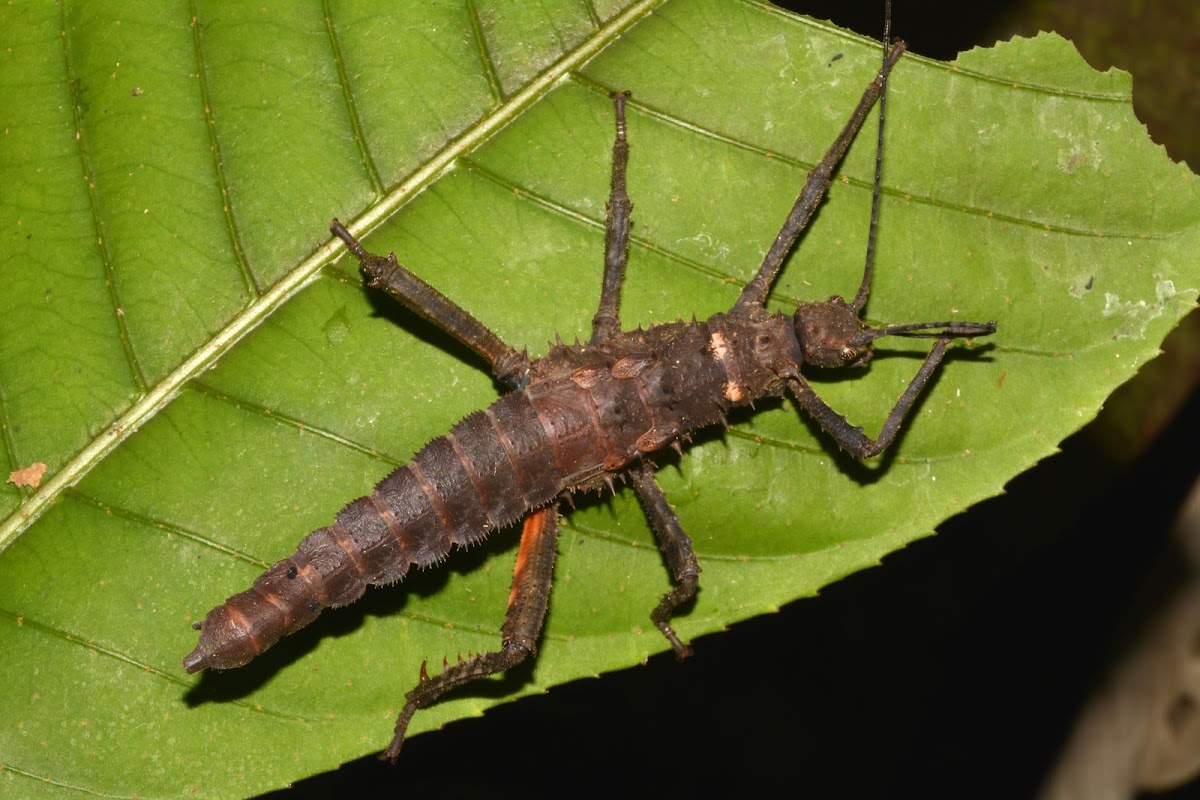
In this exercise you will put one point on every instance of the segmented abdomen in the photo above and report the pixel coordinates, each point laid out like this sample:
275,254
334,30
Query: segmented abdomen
585,418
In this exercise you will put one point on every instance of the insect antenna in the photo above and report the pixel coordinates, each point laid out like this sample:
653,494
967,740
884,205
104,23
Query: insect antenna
864,289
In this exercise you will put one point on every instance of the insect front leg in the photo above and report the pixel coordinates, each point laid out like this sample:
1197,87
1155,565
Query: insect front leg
607,322
677,549
508,364
851,438
523,621
815,186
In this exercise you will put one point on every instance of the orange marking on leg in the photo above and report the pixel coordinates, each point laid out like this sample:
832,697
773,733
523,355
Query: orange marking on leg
532,531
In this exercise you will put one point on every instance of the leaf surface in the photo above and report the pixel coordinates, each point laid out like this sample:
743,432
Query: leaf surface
207,384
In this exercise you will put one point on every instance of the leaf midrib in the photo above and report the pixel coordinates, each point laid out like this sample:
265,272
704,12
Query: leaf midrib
308,270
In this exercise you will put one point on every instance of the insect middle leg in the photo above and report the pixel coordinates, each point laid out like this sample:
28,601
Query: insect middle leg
676,547
527,603
509,365
674,543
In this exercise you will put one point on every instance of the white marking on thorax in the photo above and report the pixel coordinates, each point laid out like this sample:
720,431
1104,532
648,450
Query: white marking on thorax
717,344
720,350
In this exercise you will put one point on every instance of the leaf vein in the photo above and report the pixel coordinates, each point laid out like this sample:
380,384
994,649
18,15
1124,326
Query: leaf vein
862,184
249,406
162,525
546,204
46,780
485,56
27,623
339,62
253,290
89,179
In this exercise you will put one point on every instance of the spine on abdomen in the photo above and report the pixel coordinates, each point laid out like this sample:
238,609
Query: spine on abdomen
487,473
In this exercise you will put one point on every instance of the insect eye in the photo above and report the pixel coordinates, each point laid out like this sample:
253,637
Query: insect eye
849,353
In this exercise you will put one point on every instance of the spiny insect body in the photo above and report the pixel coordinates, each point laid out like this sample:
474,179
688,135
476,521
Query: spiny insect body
573,420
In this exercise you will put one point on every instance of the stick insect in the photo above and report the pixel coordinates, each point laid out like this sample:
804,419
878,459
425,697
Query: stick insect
573,421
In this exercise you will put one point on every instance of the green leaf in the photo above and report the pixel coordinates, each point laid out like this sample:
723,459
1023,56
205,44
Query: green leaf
206,386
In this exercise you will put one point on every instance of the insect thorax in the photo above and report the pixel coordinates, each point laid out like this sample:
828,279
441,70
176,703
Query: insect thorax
604,406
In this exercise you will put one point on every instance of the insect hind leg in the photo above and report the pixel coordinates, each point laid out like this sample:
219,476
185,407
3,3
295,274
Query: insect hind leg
527,604
509,365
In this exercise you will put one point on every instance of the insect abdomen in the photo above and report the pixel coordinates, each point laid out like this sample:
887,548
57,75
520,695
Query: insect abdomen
486,473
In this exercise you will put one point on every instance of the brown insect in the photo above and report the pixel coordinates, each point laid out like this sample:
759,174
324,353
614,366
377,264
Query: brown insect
574,420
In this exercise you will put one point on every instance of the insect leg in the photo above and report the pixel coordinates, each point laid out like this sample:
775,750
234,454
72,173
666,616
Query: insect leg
677,549
508,364
607,322
518,636
851,438
755,292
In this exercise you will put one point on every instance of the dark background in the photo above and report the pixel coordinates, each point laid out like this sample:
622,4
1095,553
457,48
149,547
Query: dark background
956,668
